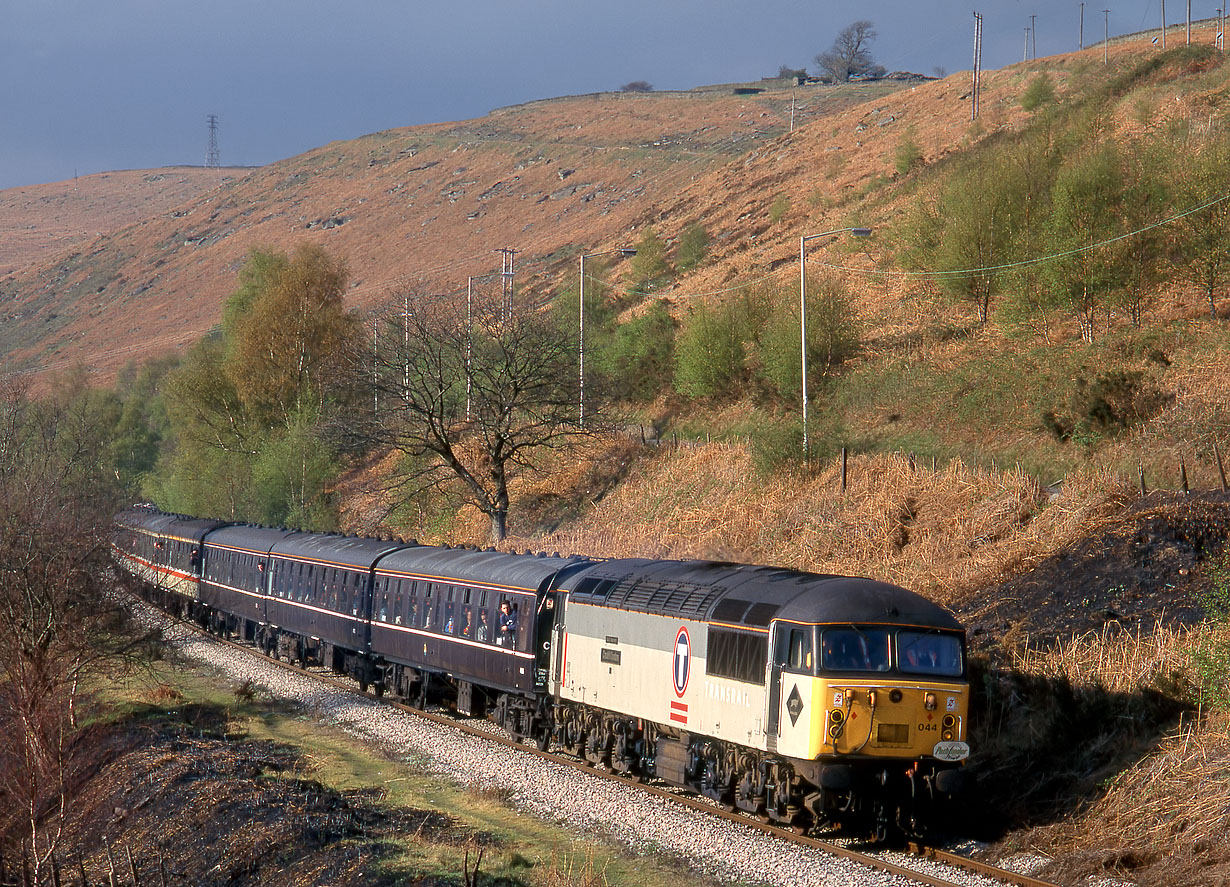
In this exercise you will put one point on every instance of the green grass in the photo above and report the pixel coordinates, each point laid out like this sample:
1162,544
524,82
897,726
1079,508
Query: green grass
519,849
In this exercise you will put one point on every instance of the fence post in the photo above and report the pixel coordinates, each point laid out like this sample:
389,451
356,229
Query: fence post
1221,469
1183,475
845,457
1143,490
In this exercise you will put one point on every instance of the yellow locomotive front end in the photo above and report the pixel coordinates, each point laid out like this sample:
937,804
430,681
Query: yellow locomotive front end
876,716
891,693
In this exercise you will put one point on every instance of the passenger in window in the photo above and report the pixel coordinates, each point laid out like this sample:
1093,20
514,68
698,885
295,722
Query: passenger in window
467,623
484,630
508,625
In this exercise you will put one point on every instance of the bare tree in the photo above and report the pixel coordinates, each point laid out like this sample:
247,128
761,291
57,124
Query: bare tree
850,55
56,626
468,399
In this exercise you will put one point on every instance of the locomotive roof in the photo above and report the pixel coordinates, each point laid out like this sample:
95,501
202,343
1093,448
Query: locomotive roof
347,551
750,596
470,565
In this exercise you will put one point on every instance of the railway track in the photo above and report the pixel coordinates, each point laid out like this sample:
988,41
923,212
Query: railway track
488,731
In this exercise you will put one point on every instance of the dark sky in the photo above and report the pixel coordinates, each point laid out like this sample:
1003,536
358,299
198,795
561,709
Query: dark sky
93,85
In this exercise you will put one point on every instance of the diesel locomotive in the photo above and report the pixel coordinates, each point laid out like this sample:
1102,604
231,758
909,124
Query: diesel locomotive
805,699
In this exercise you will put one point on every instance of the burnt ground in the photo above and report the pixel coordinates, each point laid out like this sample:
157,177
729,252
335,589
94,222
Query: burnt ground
1145,566
178,796
1050,753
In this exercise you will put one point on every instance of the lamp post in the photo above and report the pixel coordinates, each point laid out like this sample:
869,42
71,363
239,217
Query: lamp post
623,251
857,232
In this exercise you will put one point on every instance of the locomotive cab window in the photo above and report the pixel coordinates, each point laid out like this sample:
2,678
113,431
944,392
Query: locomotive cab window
794,647
854,649
929,653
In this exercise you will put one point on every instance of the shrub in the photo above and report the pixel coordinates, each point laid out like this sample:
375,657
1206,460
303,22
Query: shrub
709,356
1111,403
908,154
832,338
779,208
638,359
1210,661
649,265
693,247
1039,92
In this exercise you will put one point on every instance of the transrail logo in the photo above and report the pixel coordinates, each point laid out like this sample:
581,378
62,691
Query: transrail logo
682,665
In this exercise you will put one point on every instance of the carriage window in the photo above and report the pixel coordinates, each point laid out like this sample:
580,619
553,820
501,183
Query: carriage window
854,649
482,631
450,625
929,653
524,616
467,621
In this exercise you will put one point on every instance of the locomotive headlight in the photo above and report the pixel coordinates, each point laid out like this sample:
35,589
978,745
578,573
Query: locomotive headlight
929,702
949,721
837,716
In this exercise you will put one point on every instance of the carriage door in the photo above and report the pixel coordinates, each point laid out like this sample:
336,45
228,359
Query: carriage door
545,638
790,684
778,636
